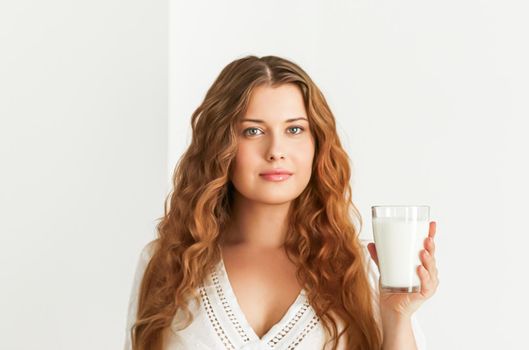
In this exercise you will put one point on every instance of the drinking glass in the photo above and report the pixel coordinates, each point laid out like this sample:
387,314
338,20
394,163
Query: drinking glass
399,232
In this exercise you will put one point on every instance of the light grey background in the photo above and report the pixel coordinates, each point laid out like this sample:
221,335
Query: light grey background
95,106
83,149
429,98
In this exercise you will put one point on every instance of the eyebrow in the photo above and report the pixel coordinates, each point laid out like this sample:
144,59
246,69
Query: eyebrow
262,121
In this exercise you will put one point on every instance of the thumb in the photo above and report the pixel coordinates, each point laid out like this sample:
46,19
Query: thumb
373,252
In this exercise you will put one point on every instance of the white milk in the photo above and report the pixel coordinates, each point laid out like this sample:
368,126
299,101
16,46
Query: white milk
398,244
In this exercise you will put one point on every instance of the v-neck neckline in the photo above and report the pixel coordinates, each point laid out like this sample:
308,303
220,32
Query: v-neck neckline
293,312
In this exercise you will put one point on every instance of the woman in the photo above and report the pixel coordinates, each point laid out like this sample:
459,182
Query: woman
257,248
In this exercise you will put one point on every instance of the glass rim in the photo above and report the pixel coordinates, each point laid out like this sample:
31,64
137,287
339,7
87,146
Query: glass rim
400,206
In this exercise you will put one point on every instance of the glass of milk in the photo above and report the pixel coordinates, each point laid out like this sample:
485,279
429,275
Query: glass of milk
399,232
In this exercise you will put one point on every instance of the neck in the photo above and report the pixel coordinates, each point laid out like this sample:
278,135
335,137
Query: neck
257,224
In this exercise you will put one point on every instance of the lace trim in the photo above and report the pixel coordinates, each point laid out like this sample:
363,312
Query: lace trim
289,326
233,319
214,320
306,330
227,308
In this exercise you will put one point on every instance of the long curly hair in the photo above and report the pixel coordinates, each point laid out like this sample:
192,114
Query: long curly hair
321,237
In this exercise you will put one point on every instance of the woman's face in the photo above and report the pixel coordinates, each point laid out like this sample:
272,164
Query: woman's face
273,138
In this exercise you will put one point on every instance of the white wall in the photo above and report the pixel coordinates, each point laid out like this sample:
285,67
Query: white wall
83,164
429,98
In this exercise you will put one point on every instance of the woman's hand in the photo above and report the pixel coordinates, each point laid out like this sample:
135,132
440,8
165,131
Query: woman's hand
403,305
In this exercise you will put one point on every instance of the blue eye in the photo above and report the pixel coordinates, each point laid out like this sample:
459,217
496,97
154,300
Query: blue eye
249,129
293,127
297,127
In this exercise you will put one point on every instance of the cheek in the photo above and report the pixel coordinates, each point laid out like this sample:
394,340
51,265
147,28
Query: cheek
306,156
244,159
244,155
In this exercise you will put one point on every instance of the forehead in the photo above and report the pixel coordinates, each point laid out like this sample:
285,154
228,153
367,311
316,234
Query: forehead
282,103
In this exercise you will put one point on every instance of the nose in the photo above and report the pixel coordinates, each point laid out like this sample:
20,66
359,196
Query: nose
275,156
276,148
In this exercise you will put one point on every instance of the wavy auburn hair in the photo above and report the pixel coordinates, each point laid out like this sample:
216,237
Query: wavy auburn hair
321,239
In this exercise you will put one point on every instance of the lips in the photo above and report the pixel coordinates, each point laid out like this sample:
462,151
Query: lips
276,172
276,177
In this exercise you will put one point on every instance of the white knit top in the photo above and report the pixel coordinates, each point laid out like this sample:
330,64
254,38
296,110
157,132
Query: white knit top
219,322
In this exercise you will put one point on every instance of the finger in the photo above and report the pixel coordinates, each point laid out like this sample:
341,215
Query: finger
429,241
429,262
373,252
429,244
427,286
432,229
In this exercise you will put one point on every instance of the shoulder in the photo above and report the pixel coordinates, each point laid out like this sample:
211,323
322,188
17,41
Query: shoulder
146,253
148,250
